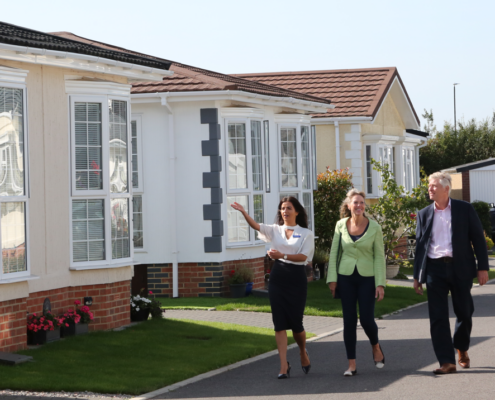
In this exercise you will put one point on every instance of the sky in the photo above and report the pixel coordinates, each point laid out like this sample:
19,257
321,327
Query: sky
433,43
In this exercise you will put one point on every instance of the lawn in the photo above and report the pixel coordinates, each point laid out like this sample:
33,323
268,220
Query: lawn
137,360
409,271
319,302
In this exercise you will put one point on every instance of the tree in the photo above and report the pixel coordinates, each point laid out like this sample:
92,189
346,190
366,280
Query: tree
396,209
430,126
471,142
332,189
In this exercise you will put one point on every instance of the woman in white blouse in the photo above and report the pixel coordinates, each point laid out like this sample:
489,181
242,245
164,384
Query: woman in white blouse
292,245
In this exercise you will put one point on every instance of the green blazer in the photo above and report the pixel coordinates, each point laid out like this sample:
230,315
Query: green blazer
367,253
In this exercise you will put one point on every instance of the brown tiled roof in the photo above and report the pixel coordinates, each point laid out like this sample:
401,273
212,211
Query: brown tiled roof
187,78
354,92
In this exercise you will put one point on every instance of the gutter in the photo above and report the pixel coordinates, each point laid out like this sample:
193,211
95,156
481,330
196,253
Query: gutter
418,177
230,94
32,51
342,120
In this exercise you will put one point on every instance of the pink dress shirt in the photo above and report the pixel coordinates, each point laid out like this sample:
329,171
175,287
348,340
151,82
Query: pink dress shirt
441,233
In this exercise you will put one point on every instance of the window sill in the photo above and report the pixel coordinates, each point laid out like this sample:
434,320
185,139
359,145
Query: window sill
140,251
103,266
19,279
236,246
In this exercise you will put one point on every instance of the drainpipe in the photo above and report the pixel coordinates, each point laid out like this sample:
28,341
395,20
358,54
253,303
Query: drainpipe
337,145
172,197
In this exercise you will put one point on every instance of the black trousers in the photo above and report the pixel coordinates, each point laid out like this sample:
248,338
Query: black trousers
356,289
440,279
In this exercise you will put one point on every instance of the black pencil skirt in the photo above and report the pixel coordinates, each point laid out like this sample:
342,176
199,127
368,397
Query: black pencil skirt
287,289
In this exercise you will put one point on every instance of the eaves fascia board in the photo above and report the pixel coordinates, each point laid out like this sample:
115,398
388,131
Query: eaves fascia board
371,138
237,95
341,120
476,166
83,62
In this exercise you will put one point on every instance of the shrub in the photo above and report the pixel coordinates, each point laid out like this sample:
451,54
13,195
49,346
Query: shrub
243,274
332,188
320,257
489,242
483,211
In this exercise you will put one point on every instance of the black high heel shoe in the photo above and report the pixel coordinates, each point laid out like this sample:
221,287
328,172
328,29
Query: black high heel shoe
307,367
287,374
379,364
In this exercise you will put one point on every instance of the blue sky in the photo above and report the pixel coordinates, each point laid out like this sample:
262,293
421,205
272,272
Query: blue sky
433,43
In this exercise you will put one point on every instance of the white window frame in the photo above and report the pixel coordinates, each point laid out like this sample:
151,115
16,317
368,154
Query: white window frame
299,188
23,275
249,190
409,165
102,194
139,191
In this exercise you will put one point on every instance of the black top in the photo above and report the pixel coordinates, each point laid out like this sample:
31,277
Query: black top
355,238
19,36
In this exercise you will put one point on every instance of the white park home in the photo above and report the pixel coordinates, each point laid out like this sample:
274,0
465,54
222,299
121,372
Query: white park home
64,153
202,140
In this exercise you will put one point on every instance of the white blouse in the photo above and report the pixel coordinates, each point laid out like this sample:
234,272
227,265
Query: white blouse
301,242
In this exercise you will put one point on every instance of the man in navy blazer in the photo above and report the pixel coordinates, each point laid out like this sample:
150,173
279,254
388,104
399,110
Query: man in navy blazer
448,235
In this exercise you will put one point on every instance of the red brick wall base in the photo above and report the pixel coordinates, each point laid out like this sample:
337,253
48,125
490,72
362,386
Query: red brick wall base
201,279
111,309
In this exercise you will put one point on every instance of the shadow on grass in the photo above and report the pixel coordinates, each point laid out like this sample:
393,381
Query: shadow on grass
140,359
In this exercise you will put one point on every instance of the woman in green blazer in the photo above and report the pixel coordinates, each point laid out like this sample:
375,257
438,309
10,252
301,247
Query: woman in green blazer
356,273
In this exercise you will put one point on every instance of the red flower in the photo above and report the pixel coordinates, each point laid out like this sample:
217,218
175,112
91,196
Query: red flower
413,216
150,292
77,302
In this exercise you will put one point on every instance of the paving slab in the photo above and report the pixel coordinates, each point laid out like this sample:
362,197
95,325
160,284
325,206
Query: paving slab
405,339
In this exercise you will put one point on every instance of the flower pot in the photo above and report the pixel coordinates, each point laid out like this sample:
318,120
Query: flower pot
249,288
82,328
52,336
141,315
66,331
238,290
36,338
392,271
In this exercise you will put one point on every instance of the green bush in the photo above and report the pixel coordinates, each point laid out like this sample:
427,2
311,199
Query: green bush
321,256
332,188
483,211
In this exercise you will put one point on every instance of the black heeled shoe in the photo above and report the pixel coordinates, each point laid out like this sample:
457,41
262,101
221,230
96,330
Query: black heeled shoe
287,374
307,367
379,364
350,373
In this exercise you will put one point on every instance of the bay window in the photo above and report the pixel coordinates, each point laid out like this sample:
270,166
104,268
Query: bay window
13,180
137,184
297,164
247,172
100,172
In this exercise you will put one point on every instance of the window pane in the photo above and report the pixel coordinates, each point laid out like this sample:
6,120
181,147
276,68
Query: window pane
256,155
282,195
237,156
12,142
120,228
288,157
137,220
135,178
258,210
266,133
118,146
237,226
313,165
308,206
13,224
369,181
306,174
88,146
88,230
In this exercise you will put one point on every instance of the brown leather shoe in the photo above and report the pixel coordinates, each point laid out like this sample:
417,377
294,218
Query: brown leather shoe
464,360
446,368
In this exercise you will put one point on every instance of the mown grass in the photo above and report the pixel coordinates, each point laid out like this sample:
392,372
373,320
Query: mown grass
137,360
319,302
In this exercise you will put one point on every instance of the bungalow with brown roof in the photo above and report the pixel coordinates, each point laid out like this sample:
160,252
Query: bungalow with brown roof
202,141
373,118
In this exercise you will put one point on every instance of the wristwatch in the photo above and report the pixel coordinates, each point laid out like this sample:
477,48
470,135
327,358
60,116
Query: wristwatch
285,256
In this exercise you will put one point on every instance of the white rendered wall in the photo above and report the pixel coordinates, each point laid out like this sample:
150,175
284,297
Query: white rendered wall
482,184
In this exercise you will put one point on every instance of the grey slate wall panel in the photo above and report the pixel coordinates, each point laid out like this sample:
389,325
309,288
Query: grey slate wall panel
217,228
210,147
209,115
215,132
211,179
216,163
212,212
216,196
213,244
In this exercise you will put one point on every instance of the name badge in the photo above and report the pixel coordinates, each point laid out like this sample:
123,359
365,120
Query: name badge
295,235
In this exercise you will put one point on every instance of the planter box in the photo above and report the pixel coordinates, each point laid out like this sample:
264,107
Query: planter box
249,288
74,329
141,315
52,336
42,337
238,291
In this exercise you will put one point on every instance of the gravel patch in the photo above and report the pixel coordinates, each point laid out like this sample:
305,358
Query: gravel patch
74,395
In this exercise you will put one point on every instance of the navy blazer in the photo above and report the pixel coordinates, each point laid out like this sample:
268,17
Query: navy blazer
467,234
